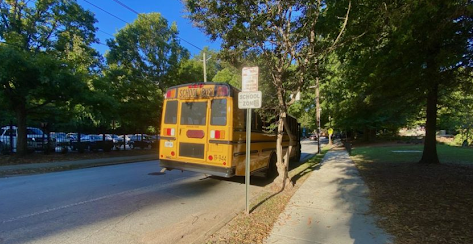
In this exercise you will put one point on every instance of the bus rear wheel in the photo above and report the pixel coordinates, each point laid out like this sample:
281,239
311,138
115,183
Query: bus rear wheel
272,171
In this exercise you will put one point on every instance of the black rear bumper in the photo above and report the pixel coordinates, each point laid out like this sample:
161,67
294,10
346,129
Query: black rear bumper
206,169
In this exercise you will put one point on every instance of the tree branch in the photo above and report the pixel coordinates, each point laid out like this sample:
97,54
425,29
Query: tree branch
342,29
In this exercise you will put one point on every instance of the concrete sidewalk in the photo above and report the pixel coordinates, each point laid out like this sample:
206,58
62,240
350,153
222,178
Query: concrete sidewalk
78,163
331,207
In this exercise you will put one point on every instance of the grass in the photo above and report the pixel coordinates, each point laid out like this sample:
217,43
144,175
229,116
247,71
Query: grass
256,227
412,153
419,203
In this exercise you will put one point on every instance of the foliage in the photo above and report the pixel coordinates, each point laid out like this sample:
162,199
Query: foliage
144,60
401,64
279,33
191,70
45,55
456,112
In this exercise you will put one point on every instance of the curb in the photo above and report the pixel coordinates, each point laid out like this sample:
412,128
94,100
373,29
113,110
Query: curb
29,169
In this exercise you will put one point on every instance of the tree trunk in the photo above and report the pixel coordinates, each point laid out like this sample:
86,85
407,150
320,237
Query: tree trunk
21,143
429,156
317,110
282,181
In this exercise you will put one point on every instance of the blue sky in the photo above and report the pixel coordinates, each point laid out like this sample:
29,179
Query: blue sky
172,10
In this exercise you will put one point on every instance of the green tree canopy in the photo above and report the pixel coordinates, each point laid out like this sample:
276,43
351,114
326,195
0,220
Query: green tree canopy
144,60
45,55
409,55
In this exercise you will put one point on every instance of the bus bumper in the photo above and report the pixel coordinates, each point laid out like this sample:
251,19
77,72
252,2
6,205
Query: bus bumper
206,169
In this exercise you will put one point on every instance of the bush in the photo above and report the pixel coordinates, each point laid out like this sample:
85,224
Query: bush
459,139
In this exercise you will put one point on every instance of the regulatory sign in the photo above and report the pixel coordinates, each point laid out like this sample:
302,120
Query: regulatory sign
249,80
249,100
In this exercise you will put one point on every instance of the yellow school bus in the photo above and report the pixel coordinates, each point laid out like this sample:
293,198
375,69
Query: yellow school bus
203,130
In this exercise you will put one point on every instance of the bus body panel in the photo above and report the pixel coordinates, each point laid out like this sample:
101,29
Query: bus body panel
206,133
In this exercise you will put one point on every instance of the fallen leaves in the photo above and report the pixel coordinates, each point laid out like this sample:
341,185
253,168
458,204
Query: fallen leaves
422,203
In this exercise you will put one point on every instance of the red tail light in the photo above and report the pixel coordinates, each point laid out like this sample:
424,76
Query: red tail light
217,134
195,134
169,131
171,94
196,86
222,91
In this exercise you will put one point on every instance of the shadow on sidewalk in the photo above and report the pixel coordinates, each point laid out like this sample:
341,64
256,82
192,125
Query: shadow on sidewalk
294,180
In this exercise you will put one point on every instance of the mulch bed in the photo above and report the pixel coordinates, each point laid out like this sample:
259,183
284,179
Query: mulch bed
422,203
39,157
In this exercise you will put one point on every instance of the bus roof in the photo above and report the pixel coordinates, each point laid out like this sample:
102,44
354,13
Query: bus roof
203,83
201,90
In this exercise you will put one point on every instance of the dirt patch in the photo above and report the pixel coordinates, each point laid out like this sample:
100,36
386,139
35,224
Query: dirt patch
254,228
421,203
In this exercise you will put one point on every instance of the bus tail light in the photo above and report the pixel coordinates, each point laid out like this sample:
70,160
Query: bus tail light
222,91
195,86
171,94
217,134
169,131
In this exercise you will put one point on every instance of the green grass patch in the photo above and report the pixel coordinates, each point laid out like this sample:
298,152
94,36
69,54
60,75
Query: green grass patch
411,154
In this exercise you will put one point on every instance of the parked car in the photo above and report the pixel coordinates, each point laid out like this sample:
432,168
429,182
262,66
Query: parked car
60,138
143,141
93,143
35,138
312,137
118,140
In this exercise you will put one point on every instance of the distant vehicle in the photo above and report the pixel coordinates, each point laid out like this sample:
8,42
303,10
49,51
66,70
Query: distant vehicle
142,141
60,138
35,138
312,137
93,143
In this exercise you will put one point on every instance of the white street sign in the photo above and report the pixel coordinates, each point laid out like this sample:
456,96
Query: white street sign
249,100
249,80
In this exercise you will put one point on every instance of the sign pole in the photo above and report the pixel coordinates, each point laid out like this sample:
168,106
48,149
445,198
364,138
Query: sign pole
247,166
248,99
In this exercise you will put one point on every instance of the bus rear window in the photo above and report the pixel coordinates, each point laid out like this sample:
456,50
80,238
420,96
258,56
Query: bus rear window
193,113
170,116
219,112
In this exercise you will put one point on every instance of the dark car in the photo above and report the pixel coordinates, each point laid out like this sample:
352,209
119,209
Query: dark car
312,137
143,141
93,143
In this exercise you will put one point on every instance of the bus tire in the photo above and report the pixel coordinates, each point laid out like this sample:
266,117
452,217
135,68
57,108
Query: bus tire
297,156
272,171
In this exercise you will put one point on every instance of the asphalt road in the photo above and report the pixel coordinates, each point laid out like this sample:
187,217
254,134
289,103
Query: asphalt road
127,203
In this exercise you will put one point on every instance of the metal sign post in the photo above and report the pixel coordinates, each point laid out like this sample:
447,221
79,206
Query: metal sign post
248,99
247,166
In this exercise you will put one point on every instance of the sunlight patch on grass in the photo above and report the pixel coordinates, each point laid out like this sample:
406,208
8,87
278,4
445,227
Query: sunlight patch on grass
404,154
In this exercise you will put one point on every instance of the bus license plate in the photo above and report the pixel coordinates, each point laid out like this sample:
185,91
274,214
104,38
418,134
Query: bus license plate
168,144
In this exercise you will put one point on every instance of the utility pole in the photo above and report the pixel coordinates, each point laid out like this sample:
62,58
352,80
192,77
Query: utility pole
205,66
317,111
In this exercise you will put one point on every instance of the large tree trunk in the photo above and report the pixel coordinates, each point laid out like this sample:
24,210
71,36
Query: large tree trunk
429,156
21,143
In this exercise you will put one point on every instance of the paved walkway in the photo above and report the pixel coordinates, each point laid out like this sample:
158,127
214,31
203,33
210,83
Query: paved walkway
331,207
